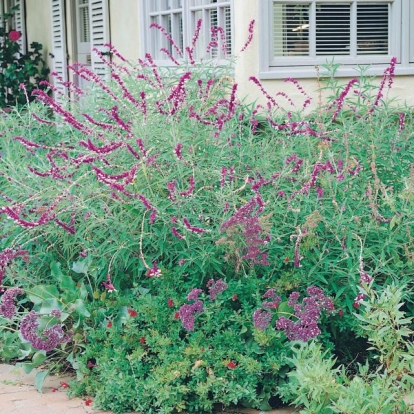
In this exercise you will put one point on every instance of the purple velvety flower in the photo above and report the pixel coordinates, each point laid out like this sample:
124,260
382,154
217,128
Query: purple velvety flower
193,295
8,307
48,339
187,313
216,287
261,319
307,314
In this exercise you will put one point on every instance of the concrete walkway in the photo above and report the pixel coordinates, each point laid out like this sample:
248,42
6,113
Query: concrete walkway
18,395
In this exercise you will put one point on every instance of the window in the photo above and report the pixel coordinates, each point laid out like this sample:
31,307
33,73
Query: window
352,32
18,20
179,18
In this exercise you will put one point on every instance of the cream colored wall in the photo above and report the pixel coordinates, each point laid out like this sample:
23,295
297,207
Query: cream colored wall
247,65
38,25
125,28
126,37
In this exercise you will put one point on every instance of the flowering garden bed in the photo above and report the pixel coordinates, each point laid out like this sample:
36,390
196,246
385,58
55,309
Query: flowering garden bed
179,248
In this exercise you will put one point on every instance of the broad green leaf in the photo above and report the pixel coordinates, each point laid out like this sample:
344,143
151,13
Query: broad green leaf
82,266
39,293
39,379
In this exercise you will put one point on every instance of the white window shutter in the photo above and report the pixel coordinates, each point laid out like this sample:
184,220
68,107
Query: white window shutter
99,15
19,24
59,60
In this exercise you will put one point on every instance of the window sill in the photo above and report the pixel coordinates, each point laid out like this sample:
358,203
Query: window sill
306,72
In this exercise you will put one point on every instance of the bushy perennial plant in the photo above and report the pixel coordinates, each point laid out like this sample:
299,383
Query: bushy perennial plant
158,182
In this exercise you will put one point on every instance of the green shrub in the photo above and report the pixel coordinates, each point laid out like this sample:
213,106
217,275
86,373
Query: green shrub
157,182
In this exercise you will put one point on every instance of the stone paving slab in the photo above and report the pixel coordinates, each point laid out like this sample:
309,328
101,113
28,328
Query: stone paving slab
18,395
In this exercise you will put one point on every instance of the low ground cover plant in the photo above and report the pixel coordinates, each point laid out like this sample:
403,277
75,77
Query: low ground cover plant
172,243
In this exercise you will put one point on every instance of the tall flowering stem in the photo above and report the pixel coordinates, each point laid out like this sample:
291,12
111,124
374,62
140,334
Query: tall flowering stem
250,36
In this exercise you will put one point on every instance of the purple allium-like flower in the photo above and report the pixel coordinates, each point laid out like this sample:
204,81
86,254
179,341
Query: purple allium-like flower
7,307
293,299
57,313
193,295
307,314
261,319
186,314
274,303
48,339
270,294
216,287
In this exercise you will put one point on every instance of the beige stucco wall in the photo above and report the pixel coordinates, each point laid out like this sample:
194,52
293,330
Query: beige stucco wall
125,29
125,34
248,65
38,25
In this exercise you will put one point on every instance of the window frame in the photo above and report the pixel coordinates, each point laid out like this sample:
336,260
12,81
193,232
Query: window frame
402,46
189,26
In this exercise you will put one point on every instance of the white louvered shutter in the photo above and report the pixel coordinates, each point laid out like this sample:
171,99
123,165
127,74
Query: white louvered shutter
99,17
59,61
19,24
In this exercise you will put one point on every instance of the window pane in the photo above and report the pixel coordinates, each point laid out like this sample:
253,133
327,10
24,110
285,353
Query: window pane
372,29
333,29
290,29
85,32
227,29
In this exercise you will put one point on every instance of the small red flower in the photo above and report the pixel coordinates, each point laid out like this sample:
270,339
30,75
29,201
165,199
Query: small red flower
55,390
231,365
176,315
356,305
142,340
286,260
88,402
109,324
234,297
132,313
341,312
64,385
14,35
170,303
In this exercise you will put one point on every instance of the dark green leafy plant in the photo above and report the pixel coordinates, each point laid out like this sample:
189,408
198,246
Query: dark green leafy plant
17,68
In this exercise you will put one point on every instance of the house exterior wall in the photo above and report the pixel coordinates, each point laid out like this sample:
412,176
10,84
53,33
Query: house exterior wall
126,35
125,28
247,65
39,27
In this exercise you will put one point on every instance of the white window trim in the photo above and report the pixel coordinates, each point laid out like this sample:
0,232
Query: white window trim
402,47
189,27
